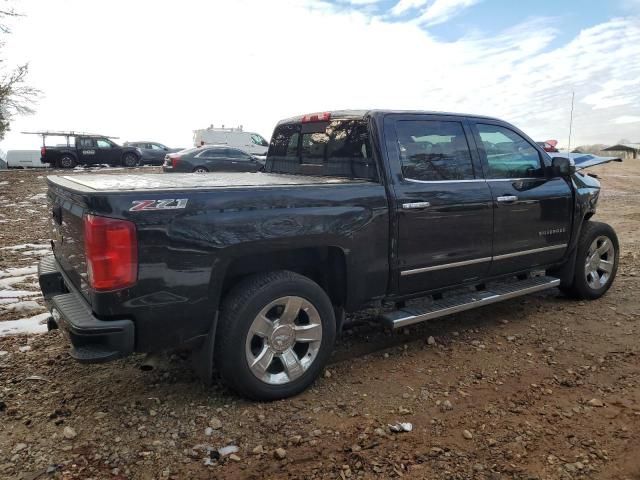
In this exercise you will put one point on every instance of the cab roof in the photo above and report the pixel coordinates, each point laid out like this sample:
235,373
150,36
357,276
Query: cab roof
361,114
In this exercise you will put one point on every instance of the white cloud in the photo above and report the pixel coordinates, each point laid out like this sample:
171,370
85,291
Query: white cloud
361,2
158,70
441,11
438,11
624,119
405,5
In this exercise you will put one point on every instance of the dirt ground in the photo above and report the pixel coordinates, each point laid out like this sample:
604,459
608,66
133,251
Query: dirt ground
541,387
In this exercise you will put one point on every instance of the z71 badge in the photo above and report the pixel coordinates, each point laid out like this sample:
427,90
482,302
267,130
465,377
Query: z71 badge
166,204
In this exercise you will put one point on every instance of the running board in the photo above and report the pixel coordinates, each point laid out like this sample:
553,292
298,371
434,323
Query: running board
467,301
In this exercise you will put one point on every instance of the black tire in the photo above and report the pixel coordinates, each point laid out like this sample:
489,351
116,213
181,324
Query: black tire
201,170
130,160
584,286
238,313
67,161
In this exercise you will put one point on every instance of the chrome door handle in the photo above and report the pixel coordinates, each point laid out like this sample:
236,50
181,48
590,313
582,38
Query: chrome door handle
507,198
415,205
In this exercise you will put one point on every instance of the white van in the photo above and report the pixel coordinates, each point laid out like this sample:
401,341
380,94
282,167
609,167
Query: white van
249,142
24,159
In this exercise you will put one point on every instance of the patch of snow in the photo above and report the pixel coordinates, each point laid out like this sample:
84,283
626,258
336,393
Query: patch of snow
38,196
26,306
38,252
29,325
17,293
18,271
22,246
4,183
9,282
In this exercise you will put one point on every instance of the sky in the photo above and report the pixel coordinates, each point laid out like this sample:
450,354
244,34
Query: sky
157,70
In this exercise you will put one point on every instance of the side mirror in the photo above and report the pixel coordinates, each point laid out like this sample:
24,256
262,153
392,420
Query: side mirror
166,149
563,167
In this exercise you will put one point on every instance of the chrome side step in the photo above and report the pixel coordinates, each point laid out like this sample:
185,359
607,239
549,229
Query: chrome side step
467,301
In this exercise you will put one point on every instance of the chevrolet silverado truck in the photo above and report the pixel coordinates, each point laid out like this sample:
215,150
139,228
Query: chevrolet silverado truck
254,272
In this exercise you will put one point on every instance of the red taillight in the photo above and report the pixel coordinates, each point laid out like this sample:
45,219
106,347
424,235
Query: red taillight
175,160
316,117
43,151
112,252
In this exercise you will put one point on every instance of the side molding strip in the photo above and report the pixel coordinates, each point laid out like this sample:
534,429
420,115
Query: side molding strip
481,260
445,266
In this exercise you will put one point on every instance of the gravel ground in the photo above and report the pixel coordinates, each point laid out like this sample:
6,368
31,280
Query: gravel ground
541,387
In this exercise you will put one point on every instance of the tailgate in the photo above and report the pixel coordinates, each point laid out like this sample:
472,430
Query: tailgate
67,233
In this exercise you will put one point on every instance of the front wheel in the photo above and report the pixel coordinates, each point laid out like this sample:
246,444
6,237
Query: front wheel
200,170
596,261
275,334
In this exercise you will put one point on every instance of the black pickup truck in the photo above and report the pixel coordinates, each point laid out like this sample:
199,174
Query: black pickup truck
254,271
81,149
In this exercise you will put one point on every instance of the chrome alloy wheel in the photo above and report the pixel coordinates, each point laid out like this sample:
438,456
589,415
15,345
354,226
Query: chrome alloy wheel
599,262
283,340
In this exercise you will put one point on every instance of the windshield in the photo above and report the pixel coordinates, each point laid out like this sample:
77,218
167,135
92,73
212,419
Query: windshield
259,140
335,148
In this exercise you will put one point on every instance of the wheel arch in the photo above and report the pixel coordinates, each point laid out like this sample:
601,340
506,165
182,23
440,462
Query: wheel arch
325,265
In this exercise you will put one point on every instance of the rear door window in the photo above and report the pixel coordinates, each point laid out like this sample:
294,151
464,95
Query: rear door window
432,150
237,154
86,143
212,153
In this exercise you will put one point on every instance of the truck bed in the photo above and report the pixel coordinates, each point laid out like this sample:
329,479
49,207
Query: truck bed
181,181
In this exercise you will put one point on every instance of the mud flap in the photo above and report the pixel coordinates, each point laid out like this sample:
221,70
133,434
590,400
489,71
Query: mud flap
202,358
566,272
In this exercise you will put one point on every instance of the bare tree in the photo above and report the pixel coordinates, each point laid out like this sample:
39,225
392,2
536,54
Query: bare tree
16,97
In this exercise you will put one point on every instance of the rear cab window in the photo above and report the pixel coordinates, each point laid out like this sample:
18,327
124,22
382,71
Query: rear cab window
433,150
339,147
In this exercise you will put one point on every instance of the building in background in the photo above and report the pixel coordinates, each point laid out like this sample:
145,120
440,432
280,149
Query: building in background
625,150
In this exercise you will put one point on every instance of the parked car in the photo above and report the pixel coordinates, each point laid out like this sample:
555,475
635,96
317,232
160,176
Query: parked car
212,158
152,153
85,149
355,209
249,142
549,146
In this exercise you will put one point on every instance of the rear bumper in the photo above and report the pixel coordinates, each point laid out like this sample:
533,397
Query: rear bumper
92,340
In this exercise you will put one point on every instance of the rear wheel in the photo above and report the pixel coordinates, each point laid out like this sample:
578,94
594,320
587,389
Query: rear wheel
67,161
596,261
200,170
129,160
275,334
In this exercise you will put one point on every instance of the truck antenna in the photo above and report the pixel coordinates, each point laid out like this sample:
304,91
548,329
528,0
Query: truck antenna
573,94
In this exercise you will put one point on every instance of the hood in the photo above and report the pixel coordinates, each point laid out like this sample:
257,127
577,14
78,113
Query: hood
584,160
